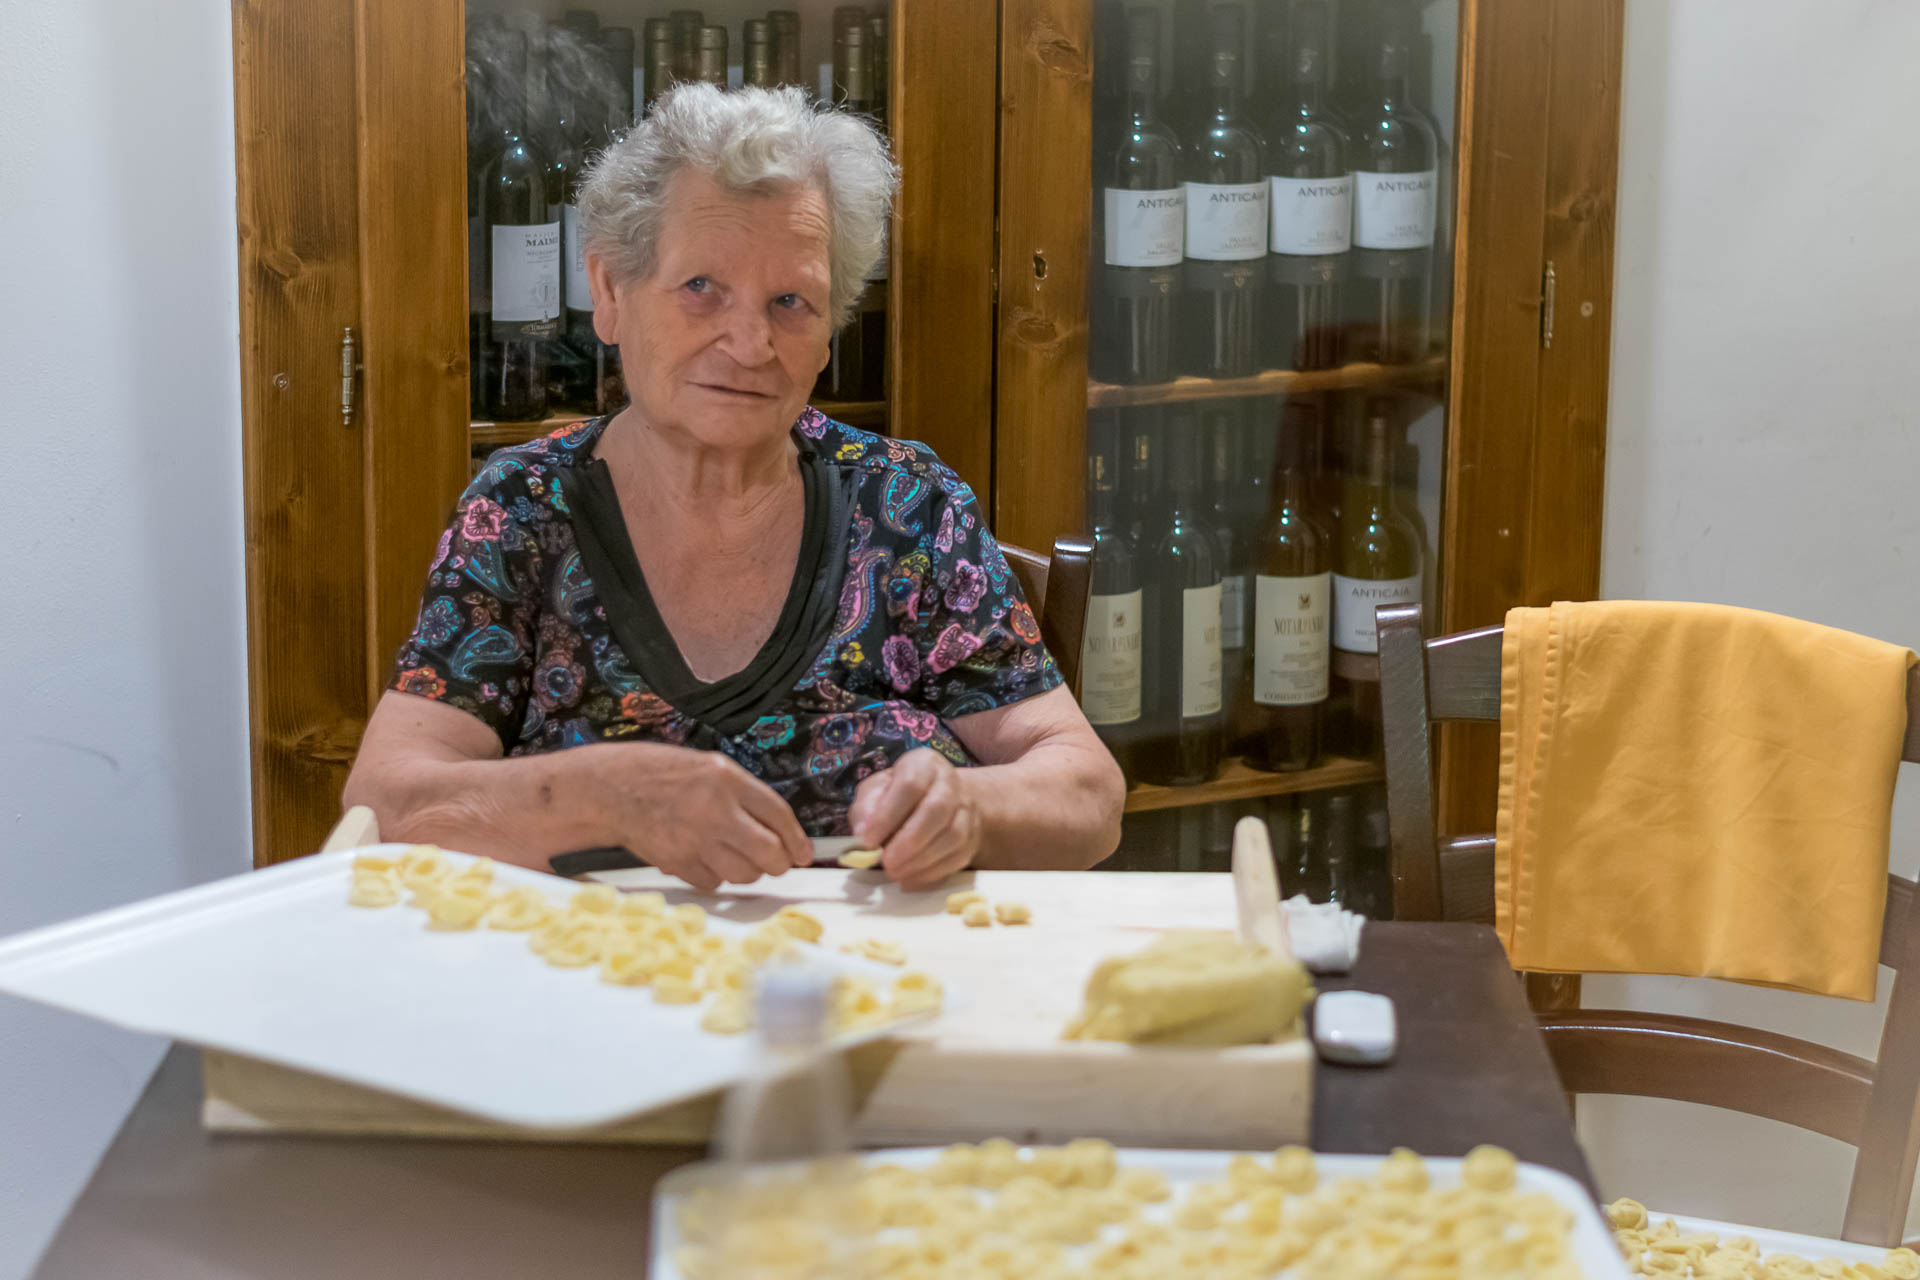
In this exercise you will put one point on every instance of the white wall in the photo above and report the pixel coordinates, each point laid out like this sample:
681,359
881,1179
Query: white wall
123,747
1762,448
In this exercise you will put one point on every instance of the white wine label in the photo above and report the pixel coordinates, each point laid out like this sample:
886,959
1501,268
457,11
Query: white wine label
1312,215
526,273
1290,651
1110,660
1200,651
1145,228
579,295
1355,599
1226,222
1233,612
1394,210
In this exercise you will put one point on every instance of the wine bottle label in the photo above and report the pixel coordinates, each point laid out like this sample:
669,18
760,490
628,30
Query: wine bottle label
1200,651
1110,660
1290,652
1226,222
1233,611
579,295
1145,228
1355,599
526,274
1393,210
1311,215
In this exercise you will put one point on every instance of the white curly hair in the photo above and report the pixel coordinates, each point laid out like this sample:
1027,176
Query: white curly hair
747,140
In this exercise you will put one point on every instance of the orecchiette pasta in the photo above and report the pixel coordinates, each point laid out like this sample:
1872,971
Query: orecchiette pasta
1662,1249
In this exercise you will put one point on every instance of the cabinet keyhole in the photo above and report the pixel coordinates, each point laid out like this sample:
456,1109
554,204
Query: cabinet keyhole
1039,266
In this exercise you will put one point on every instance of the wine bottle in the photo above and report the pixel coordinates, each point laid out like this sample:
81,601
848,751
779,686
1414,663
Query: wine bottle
658,55
1303,868
710,56
786,46
1186,725
1292,598
623,83
1184,98
757,70
684,26
877,38
1376,562
1338,845
1311,198
1373,858
847,376
1396,182
1141,491
570,81
523,243
1223,274
483,135
1142,228
1110,653
1222,423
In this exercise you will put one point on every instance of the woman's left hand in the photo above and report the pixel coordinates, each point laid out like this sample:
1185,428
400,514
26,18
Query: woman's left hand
922,816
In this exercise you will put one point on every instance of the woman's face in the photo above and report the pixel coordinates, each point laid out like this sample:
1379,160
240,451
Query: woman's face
724,340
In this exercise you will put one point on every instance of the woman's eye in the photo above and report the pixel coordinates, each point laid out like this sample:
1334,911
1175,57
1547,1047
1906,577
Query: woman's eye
791,301
699,284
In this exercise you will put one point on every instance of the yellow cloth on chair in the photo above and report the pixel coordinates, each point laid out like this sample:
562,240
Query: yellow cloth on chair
1697,790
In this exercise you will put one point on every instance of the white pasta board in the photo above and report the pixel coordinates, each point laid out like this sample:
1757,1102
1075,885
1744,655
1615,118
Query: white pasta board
275,965
1812,1248
1592,1239
995,1064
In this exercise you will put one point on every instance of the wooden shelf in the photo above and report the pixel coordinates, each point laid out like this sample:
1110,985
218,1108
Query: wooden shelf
1238,781
1429,372
498,435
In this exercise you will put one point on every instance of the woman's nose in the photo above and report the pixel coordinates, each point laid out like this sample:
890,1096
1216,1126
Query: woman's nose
749,336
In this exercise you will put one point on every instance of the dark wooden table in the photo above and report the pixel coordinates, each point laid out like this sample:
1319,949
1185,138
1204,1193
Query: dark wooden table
170,1200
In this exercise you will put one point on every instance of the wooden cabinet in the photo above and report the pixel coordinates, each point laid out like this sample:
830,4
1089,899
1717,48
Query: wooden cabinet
352,162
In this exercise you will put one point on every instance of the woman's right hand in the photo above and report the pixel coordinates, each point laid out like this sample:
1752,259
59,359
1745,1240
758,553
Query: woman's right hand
694,814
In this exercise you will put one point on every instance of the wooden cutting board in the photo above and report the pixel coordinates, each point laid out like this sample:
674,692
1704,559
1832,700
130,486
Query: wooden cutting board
994,1064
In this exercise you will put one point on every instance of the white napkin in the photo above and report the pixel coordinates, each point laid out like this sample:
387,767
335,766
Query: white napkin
1325,935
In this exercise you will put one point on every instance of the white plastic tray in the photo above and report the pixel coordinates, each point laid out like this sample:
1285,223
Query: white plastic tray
1593,1245
274,964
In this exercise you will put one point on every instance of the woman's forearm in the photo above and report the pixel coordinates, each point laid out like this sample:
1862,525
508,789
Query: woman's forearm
1056,808
522,809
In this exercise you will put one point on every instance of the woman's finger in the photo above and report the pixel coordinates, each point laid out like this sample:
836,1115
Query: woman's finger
944,857
731,866
928,826
912,774
753,841
866,796
771,814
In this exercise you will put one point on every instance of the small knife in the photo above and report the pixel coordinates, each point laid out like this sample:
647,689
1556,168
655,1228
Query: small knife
827,851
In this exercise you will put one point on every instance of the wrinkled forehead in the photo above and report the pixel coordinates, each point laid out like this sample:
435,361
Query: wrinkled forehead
779,215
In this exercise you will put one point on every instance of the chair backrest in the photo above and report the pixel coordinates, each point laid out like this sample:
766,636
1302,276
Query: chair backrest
1875,1106
1058,590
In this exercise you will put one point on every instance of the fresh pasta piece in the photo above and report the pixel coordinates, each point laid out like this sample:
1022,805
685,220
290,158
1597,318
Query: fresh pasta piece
1012,912
728,975
1294,1170
376,864
627,967
459,905
729,1015
595,900
691,919
373,891
1627,1214
1489,1168
647,904
1148,1186
859,859
669,988
519,909
1404,1170
798,923
769,942
479,871
957,903
578,945
977,915
422,865
881,950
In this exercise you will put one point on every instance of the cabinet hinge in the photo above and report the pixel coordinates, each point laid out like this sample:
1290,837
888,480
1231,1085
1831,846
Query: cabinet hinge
1546,306
349,367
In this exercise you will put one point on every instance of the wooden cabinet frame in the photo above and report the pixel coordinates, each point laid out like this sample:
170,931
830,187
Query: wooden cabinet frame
350,141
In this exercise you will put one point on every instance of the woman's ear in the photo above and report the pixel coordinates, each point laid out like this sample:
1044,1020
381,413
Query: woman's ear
606,301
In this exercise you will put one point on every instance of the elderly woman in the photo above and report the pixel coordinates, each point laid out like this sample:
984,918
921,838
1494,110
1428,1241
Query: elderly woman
717,622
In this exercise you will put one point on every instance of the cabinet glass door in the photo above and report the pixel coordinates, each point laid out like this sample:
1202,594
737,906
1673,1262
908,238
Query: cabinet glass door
547,86
1267,299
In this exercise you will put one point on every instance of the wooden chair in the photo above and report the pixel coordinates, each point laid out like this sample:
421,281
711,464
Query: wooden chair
1872,1106
1058,591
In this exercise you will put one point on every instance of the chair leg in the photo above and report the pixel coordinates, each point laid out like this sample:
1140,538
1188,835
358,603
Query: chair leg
1553,992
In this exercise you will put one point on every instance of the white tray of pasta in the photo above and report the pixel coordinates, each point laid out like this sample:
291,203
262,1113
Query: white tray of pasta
1087,1209
1677,1246
493,990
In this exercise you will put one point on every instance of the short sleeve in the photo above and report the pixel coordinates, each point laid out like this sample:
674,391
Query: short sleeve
976,641
473,644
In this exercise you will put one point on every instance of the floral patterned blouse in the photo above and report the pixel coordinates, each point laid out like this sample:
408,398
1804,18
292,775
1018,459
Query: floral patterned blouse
903,617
